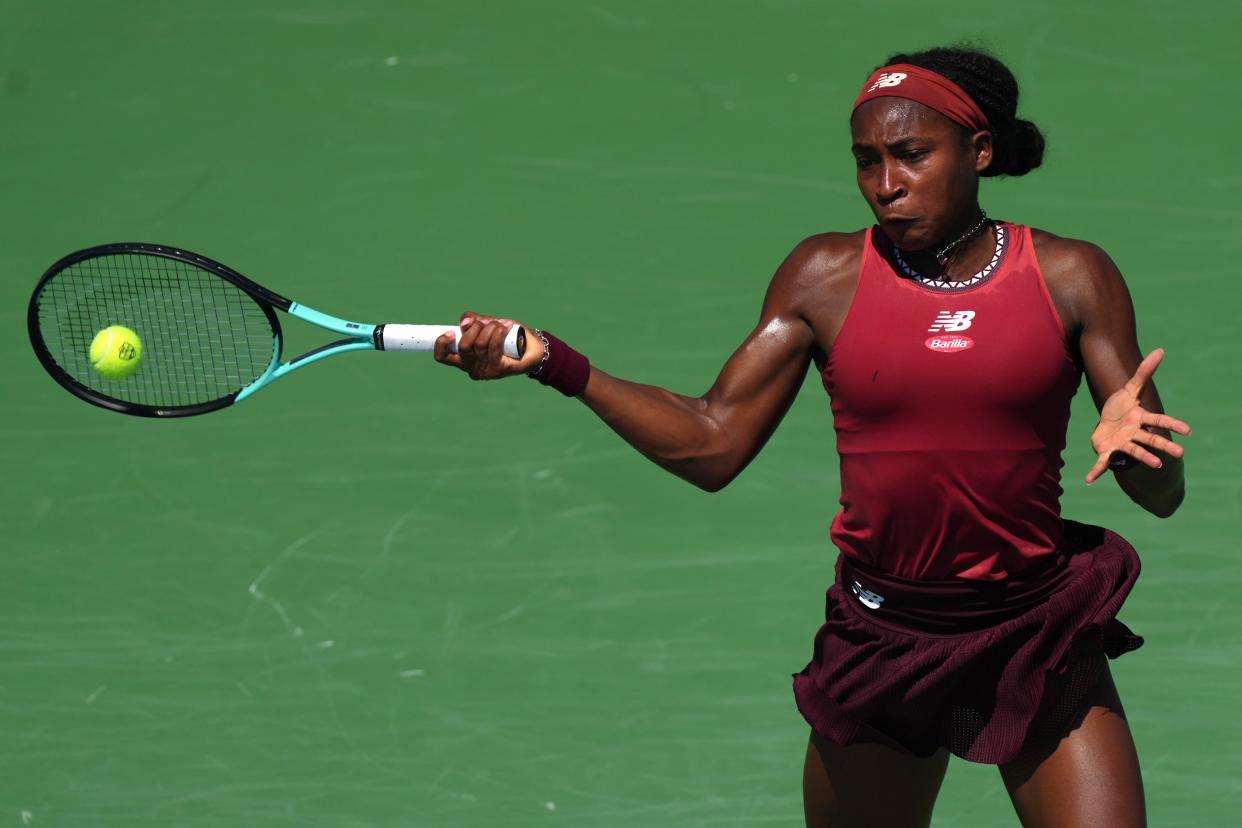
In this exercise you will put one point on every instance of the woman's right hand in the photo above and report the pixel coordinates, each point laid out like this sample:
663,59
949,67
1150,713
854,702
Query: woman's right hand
480,353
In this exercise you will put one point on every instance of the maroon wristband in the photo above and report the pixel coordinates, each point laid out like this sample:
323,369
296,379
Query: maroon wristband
564,369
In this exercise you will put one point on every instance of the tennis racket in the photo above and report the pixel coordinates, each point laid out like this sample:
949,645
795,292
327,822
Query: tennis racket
210,336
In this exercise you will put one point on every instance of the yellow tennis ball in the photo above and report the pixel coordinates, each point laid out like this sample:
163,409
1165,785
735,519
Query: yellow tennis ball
116,352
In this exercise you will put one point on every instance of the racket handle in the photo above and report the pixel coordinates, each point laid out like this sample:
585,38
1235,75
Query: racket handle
394,337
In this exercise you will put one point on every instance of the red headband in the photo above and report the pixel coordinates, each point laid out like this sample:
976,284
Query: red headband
901,80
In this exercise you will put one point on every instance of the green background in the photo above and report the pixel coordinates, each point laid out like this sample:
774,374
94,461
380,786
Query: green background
379,594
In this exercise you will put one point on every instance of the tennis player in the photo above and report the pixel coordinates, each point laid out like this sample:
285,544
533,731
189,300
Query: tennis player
967,616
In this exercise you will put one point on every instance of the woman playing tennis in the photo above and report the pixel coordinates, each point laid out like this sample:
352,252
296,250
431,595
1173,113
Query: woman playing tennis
967,616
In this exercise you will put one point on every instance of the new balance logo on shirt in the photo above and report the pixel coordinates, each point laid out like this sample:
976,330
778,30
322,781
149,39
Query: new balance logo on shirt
956,321
950,322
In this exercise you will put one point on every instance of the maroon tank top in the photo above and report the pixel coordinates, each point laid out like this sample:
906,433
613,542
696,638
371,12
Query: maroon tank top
950,407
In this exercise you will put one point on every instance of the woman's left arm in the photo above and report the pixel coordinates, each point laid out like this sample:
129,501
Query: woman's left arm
1132,438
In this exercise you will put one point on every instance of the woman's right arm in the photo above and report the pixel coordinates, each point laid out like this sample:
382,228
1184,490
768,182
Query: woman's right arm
709,439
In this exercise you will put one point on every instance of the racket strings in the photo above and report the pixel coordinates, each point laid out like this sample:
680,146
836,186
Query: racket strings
203,338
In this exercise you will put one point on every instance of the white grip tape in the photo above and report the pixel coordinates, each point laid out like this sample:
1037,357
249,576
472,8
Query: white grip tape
423,338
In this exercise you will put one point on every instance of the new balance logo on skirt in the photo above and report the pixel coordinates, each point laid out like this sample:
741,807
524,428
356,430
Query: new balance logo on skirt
950,322
866,597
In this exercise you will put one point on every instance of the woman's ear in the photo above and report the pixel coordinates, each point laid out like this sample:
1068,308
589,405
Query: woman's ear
981,145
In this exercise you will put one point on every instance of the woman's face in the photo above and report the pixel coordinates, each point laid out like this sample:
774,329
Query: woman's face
918,170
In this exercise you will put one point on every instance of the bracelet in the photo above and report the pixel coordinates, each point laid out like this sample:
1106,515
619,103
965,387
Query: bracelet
561,367
543,360
1119,461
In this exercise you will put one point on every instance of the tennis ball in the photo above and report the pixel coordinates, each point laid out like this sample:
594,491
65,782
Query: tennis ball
116,352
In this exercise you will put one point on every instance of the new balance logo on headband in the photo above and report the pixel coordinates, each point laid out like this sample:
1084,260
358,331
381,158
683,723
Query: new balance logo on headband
886,79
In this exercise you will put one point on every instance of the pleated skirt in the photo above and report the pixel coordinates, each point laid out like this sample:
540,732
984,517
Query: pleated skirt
979,668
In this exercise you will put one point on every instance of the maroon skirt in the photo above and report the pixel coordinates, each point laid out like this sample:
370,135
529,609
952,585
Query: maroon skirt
979,668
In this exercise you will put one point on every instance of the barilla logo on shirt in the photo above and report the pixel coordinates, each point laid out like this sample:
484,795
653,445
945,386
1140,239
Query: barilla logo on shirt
949,344
950,322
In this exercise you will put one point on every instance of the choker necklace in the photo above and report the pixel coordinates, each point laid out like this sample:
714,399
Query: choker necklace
939,284
943,256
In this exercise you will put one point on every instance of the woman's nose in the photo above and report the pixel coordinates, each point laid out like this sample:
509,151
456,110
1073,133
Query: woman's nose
891,186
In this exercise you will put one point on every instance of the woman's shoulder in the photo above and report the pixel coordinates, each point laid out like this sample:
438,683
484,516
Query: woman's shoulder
1064,254
824,256
817,281
836,244
1079,274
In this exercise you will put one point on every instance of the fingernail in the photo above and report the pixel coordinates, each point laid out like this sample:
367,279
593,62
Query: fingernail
465,321
505,321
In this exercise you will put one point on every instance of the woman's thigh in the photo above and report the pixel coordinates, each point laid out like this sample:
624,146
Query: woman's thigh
868,785
1089,778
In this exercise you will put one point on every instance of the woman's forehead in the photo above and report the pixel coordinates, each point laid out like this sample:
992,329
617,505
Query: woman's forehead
886,120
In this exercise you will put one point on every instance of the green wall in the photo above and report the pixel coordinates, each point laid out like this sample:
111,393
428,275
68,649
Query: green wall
378,594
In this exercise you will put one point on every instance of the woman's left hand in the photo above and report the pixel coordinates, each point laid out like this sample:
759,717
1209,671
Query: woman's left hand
1124,422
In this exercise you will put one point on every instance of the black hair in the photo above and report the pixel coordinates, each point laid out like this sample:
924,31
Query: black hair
1017,145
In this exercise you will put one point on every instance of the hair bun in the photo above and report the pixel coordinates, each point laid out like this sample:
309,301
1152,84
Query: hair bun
1028,148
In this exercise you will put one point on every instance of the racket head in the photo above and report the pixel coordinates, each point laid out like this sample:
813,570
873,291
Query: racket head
207,331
